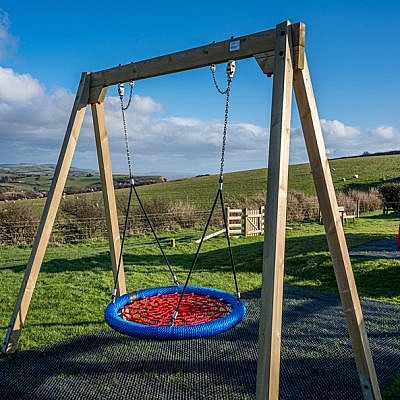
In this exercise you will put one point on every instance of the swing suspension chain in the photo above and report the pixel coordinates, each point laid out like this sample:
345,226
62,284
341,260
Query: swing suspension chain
221,169
212,68
121,91
132,189
123,109
230,70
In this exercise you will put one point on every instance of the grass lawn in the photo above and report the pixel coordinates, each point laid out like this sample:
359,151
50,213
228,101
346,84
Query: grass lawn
76,280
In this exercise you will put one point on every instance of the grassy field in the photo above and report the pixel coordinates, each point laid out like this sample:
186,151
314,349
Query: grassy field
200,190
75,283
371,171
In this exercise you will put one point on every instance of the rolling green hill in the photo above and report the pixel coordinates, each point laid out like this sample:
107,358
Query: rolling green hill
372,171
33,180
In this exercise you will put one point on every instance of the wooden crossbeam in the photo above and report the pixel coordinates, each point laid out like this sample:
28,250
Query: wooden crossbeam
214,53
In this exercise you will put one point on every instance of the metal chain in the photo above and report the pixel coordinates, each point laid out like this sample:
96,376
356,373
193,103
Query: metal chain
126,139
221,169
230,72
133,190
212,68
121,92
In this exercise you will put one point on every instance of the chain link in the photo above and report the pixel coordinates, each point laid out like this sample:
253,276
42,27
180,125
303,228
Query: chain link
227,92
230,71
212,68
126,139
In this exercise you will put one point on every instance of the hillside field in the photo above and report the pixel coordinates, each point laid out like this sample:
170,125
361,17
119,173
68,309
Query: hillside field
372,171
200,191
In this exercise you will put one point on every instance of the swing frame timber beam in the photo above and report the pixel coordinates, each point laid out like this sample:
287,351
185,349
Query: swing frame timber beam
279,52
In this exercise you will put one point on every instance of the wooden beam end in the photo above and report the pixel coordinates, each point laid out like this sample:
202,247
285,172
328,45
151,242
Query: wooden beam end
299,43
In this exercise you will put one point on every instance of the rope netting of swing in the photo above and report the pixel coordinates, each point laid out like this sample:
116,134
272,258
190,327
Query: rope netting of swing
157,310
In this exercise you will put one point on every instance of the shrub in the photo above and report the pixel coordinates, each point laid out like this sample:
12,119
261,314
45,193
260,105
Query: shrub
84,219
18,223
368,201
184,214
301,207
391,195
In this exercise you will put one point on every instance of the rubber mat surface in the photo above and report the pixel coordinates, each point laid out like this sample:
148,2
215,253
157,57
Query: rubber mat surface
386,248
317,361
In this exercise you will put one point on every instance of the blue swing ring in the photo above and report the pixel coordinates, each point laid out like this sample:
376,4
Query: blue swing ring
114,319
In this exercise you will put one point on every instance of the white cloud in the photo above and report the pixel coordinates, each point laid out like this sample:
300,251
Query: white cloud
16,87
8,42
32,129
338,129
384,131
343,140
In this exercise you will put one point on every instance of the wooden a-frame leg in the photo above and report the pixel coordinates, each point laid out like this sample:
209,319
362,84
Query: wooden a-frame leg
103,154
334,232
275,222
47,220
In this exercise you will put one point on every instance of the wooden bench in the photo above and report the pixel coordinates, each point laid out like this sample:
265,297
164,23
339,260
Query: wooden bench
344,216
387,207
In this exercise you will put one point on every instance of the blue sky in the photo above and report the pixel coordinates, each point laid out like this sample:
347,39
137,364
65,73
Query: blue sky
175,123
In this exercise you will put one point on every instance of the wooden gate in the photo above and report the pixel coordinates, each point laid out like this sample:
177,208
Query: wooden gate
234,217
253,221
245,221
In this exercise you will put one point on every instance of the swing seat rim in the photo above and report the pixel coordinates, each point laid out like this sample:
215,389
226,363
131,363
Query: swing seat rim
182,332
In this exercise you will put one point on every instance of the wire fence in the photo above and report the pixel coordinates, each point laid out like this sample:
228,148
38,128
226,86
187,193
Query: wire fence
87,222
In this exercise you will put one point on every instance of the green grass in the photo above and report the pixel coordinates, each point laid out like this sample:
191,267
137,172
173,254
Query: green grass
76,280
200,190
371,170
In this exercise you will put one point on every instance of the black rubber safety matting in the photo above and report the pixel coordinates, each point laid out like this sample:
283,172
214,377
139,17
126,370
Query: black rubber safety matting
385,248
317,361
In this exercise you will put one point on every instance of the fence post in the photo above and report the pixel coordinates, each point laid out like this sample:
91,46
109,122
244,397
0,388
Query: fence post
228,225
245,224
358,208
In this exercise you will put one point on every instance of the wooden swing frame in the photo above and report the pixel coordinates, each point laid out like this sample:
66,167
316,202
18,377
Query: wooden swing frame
279,52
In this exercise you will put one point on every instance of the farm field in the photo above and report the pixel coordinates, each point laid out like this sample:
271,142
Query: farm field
371,171
30,179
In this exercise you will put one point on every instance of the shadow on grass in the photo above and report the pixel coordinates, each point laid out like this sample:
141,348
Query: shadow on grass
389,217
307,259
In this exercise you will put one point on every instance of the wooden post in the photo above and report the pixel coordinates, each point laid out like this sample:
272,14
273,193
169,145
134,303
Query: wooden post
47,220
274,230
103,154
245,225
334,232
261,219
228,213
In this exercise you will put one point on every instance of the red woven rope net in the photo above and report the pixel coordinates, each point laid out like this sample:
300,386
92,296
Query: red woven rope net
157,310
